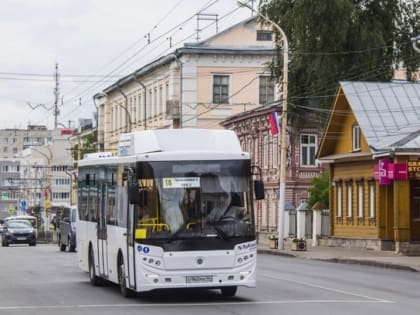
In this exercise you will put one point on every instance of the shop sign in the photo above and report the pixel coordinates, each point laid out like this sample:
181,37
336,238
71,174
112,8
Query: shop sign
386,171
413,169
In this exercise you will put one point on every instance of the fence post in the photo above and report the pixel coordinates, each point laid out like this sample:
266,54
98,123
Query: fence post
317,222
316,227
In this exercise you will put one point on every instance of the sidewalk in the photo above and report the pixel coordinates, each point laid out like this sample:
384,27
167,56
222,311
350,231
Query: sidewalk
385,259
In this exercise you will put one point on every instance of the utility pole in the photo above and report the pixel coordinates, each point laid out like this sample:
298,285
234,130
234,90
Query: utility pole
56,111
283,147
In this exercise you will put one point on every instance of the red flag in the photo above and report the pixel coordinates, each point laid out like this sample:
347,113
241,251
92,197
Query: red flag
274,123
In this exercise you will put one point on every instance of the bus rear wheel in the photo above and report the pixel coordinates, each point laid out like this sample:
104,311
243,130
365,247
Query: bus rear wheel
93,278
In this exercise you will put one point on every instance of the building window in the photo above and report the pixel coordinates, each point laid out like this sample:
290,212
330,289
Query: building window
256,151
339,200
161,107
140,110
266,94
372,200
275,152
349,199
249,148
133,109
360,199
265,151
221,89
155,102
264,35
307,149
356,138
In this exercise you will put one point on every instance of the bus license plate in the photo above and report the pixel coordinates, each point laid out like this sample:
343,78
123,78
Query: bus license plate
199,279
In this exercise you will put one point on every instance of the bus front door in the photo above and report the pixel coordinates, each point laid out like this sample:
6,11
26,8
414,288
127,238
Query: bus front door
102,233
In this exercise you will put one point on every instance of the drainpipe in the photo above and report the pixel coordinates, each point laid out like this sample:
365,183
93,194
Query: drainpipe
145,95
127,114
180,90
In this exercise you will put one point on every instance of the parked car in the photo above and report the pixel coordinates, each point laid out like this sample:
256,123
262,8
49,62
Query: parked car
1,225
18,232
66,229
33,220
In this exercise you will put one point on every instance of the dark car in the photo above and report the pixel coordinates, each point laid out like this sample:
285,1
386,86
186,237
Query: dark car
18,232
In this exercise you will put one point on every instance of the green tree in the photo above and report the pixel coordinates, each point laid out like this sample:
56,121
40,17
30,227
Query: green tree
88,146
335,40
319,190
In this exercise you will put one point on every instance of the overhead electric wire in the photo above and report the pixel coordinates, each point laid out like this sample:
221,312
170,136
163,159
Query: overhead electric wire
85,91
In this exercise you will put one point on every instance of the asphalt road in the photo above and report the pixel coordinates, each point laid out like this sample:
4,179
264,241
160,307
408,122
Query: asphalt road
43,280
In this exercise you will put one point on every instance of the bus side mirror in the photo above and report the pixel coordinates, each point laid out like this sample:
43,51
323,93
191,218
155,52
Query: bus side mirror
259,189
134,194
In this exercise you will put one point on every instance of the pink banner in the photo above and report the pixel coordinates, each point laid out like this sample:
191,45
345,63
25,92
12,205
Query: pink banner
385,172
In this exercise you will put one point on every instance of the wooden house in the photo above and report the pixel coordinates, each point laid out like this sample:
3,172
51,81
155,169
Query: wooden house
372,146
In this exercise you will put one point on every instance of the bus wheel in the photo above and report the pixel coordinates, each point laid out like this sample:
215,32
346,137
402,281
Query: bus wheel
125,291
229,291
62,246
93,278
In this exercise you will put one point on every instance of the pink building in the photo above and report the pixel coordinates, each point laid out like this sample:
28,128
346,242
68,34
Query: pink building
254,132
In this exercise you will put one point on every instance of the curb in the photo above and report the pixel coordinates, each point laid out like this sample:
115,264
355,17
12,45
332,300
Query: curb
349,261
367,263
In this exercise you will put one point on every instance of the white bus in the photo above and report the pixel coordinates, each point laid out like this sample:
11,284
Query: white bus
174,209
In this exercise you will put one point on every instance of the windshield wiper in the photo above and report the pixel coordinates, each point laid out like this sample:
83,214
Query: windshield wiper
221,233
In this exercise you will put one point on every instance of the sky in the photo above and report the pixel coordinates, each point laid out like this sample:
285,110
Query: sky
94,43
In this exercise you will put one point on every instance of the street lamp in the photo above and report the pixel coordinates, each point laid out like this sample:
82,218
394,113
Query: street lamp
48,184
283,147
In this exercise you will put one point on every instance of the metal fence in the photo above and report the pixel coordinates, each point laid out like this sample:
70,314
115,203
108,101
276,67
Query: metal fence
325,222
292,223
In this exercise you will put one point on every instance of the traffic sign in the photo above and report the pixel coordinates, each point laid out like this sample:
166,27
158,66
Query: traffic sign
23,204
47,203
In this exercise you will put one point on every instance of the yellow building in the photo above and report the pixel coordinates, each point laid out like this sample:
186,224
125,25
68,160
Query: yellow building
372,146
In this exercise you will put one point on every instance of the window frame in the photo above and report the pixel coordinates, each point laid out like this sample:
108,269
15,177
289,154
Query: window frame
220,97
265,89
307,147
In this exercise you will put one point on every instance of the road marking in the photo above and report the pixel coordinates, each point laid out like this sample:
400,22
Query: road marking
327,288
160,304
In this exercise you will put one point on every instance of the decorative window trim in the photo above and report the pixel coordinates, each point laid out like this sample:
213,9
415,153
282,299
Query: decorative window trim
349,188
360,198
339,198
372,197
356,138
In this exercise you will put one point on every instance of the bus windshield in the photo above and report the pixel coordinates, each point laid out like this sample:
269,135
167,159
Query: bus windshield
194,199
